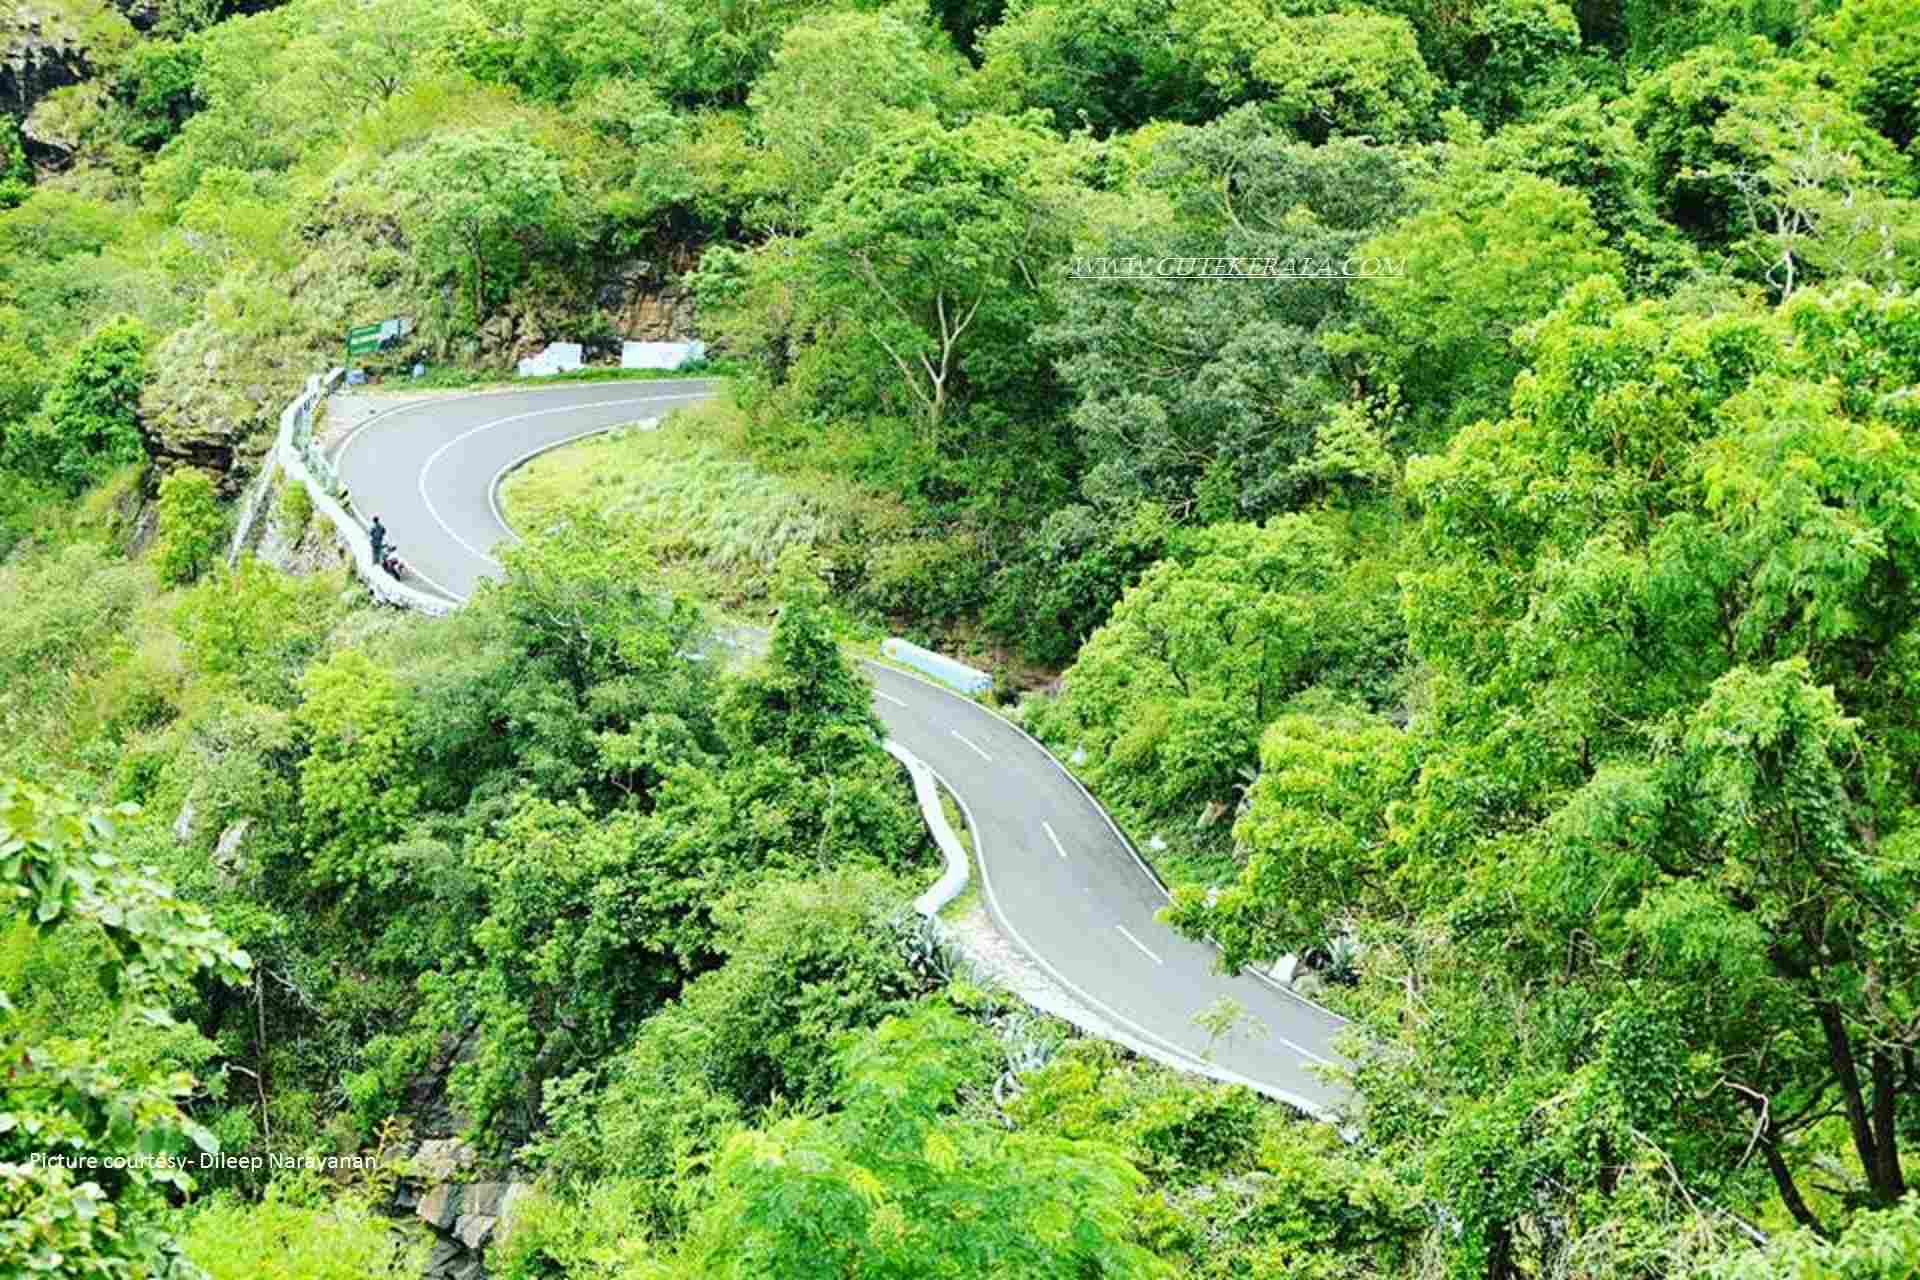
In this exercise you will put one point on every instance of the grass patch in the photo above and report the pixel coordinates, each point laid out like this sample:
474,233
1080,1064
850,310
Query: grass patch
716,520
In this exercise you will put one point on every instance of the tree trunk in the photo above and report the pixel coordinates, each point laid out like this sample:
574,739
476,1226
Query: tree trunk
1874,1139
1889,1181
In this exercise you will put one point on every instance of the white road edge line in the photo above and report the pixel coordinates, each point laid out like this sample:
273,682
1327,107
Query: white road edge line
898,702
1057,846
1136,942
1257,974
426,468
500,476
1195,1063
976,750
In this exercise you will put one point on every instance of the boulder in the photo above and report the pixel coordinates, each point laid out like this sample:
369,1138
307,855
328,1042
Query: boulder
440,1207
482,1199
473,1229
442,1159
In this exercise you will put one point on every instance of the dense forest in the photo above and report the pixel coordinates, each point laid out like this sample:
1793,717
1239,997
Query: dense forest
1527,631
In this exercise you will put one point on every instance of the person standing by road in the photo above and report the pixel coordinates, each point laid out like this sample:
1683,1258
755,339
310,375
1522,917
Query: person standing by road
377,535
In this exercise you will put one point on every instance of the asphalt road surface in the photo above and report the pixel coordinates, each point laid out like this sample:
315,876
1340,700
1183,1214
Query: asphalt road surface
1056,875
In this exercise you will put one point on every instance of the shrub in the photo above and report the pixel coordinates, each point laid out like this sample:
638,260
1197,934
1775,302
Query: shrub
192,529
295,511
276,1240
90,420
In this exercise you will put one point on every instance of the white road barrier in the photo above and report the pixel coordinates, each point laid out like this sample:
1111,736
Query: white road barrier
957,675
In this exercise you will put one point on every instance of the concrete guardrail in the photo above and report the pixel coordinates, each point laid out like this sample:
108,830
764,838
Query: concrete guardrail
957,675
925,790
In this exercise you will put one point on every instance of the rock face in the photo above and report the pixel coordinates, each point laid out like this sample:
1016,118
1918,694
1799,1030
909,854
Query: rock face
38,54
466,1210
212,408
644,307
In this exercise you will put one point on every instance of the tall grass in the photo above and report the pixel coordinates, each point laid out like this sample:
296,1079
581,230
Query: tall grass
716,521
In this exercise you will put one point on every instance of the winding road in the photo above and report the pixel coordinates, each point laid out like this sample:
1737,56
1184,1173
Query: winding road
1056,874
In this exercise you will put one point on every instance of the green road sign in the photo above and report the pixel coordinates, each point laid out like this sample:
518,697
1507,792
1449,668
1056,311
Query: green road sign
371,337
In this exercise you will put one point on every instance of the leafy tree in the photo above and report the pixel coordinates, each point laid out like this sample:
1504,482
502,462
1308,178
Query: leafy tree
804,962
1070,573
192,530
89,422
375,52
1659,826
23,373
1589,146
1112,66
886,1187
807,703
487,202
154,85
1202,395
353,793
1875,53
1169,696
280,1239
256,630
1722,116
587,930
1499,57
1810,204
835,83
925,261
61,1098
1312,836
1518,241
600,685
1318,74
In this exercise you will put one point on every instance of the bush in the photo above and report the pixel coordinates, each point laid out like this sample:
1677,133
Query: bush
192,529
89,423
295,511
276,1240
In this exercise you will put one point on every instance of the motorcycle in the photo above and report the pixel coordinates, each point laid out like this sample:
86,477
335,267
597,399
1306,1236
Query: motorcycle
390,561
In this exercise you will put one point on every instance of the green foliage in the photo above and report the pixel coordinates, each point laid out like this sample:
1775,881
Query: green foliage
16,175
1070,574
192,530
293,512
836,82
1483,261
1876,56
255,629
1168,697
804,961
486,202
90,420
353,795
277,1239
1204,395
886,1187
73,605
918,280
1313,837
155,85
808,704
1110,65
61,1097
